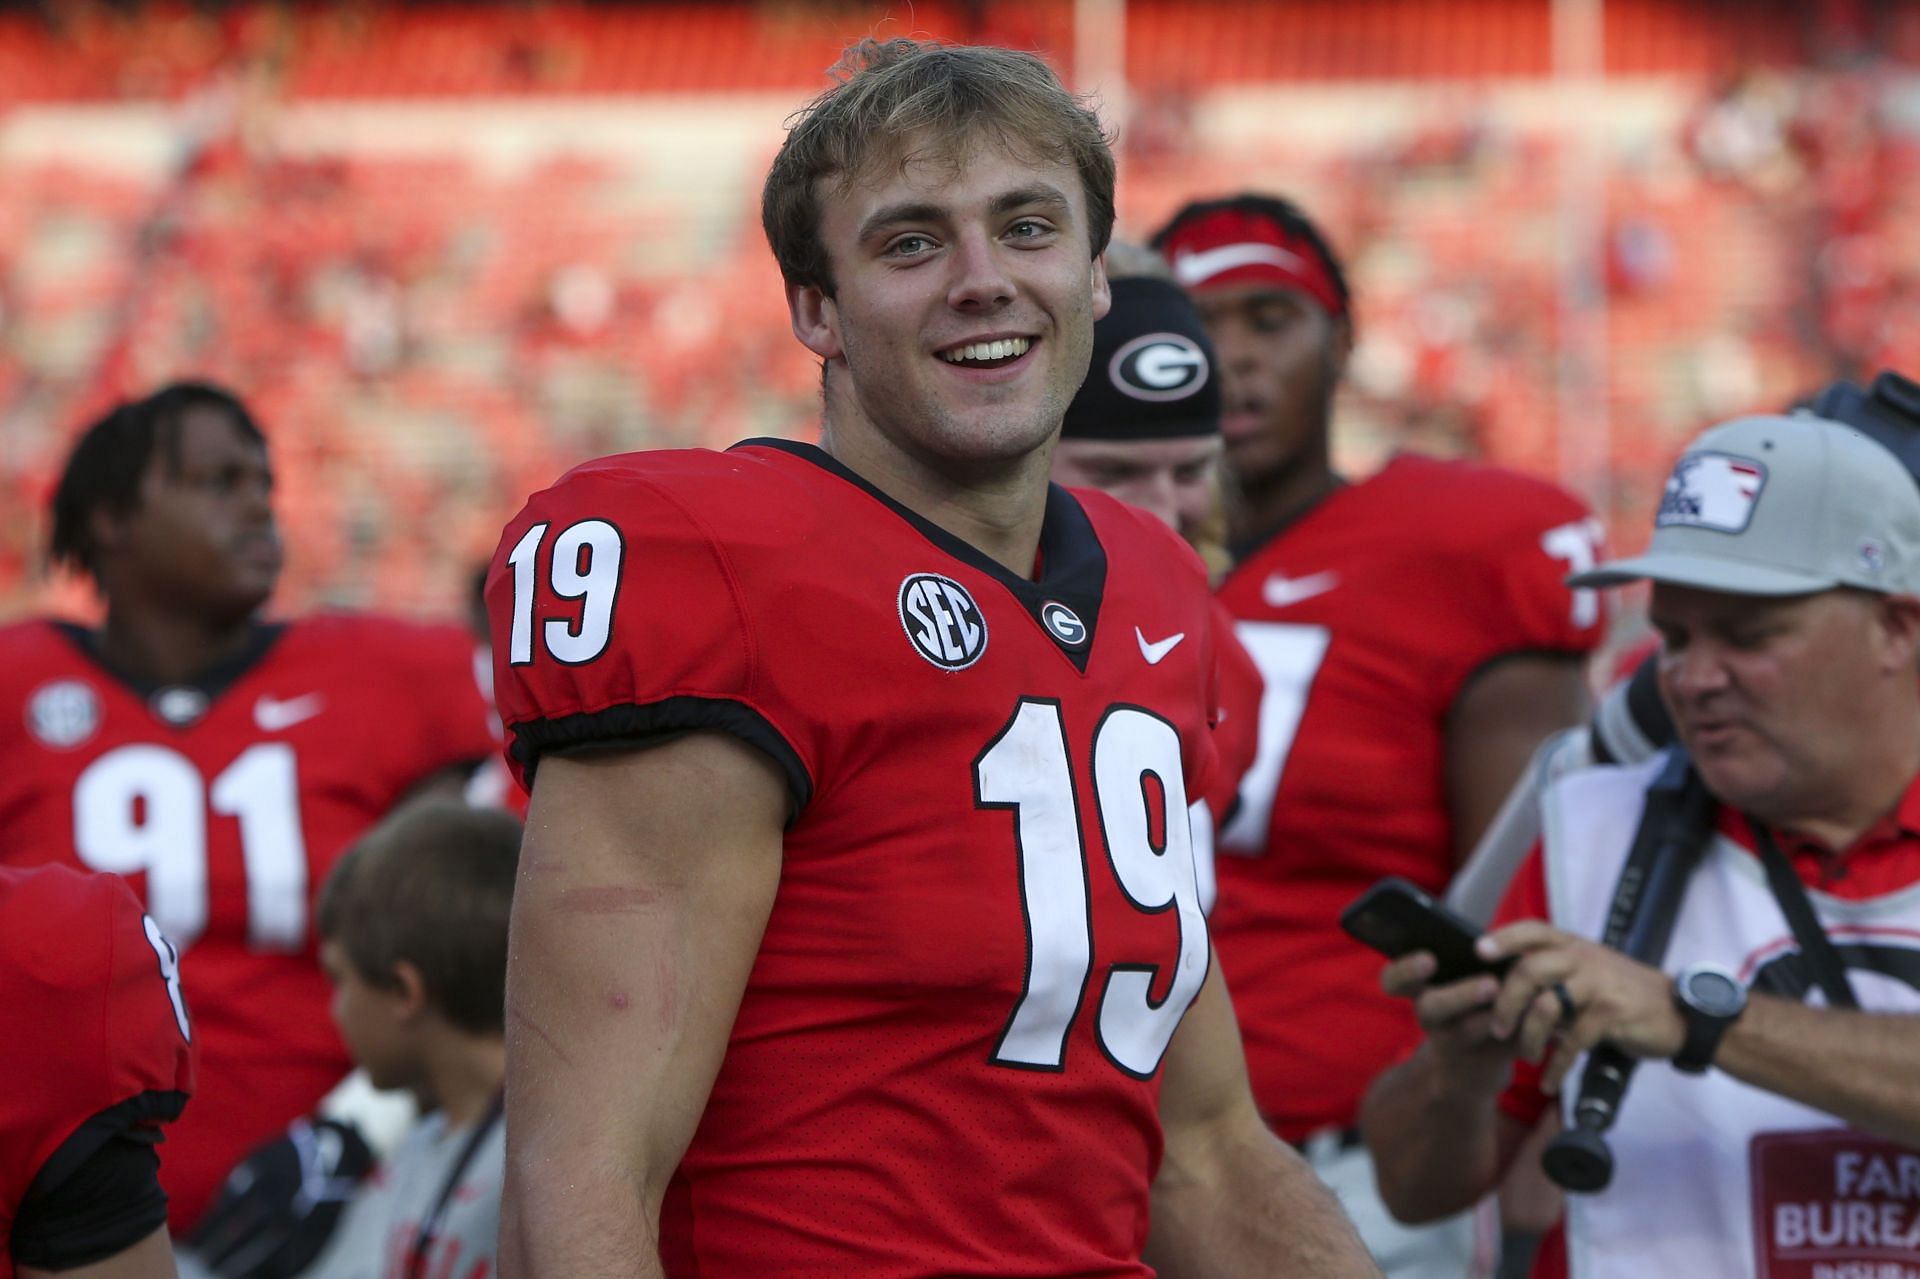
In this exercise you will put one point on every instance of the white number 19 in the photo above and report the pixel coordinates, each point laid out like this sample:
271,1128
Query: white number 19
1026,769
585,566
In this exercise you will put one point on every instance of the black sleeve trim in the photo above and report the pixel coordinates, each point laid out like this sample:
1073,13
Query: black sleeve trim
632,727
99,1194
137,1118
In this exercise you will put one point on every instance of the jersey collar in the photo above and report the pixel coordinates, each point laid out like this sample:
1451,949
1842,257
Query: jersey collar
163,696
1073,563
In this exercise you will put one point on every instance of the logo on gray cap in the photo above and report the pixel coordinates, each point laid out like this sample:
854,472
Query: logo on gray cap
1781,506
1712,490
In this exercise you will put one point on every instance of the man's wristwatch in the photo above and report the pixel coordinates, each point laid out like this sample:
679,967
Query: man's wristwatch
1710,999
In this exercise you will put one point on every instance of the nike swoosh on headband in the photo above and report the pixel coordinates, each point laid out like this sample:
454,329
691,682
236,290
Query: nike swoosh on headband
1196,267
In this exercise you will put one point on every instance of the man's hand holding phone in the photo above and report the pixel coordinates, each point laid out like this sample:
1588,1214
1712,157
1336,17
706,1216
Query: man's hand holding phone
1438,964
1519,991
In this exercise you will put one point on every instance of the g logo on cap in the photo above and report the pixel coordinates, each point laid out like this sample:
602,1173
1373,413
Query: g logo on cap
1158,367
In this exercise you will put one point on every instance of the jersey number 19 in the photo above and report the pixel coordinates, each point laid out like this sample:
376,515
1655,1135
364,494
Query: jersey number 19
1026,769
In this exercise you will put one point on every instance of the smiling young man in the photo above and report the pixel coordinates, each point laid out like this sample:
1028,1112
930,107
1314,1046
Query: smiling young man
858,930
217,760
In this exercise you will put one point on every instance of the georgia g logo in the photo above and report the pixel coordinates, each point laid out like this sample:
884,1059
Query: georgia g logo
1063,624
945,625
1158,367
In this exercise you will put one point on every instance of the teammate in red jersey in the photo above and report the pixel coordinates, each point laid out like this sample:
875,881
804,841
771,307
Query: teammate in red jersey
1145,428
1417,644
99,1057
858,930
218,761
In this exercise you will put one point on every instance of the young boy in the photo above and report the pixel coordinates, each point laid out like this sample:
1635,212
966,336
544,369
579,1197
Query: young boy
413,927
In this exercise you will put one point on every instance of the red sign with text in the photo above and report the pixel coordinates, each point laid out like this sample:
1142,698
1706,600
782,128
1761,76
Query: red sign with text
1835,1204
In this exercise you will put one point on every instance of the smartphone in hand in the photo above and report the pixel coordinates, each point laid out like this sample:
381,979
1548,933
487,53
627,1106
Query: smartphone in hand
1396,918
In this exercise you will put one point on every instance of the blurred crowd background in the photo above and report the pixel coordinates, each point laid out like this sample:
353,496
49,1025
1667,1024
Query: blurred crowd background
447,250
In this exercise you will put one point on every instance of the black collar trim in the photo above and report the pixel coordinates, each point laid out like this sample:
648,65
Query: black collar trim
1073,563
209,683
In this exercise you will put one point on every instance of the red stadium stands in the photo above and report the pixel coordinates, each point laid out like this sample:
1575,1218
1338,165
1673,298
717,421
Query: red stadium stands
431,325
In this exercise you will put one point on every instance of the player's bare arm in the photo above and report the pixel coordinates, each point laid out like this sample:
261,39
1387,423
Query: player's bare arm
151,1258
1497,722
1231,1199
645,884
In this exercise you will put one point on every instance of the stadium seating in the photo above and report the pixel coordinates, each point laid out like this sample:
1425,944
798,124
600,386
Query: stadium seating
432,325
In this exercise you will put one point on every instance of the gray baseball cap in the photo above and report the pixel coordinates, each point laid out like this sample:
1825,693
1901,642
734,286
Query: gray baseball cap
1781,506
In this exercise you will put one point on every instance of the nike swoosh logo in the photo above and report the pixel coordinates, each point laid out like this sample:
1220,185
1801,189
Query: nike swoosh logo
1158,649
1279,590
272,715
1195,268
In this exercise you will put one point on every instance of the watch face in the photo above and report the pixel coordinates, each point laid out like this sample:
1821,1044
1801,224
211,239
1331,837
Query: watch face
1714,993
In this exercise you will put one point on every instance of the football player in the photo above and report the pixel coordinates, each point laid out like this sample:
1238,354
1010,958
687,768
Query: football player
858,930
218,760
1145,427
1417,643
99,1058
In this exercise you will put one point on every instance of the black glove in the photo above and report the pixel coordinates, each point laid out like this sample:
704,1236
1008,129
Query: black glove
281,1203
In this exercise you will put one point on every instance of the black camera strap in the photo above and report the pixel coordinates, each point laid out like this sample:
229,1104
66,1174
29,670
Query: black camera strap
1674,828
1676,824
1823,961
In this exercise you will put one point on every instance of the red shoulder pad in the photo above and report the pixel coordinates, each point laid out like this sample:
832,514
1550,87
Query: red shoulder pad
91,1005
436,669
618,614
1511,541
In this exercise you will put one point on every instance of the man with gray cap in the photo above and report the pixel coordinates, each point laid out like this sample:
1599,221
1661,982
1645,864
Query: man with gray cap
1763,1131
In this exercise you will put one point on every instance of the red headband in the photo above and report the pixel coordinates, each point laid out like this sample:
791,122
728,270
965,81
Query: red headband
1232,246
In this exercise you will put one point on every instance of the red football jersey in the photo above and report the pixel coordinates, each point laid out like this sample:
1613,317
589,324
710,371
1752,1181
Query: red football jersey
1367,617
946,1061
1236,734
493,784
93,1018
225,804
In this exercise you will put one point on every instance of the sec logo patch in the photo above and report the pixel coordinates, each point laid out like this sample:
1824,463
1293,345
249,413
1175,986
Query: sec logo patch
941,619
63,714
